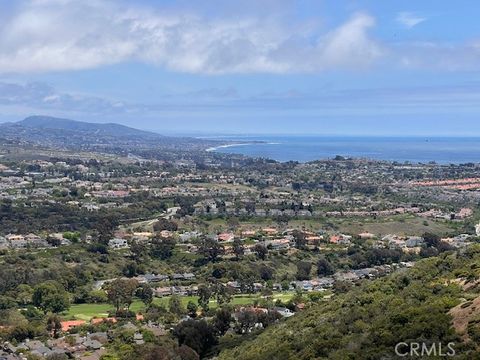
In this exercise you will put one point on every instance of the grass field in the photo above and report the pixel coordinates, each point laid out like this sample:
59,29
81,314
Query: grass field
400,225
89,311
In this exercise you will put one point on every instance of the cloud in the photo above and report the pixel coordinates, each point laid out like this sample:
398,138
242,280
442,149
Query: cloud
43,97
40,98
409,20
63,35
439,56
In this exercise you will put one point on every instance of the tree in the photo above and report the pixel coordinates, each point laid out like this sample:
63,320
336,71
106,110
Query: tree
222,294
261,251
131,269
53,241
238,248
246,320
54,325
6,302
266,273
210,249
50,296
138,251
175,305
145,293
431,239
246,282
162,248
192,309
164,224
324,267
223,319
269,318
24,294
303,270
196,334
120,293
300,239
204,294
233,223
105,227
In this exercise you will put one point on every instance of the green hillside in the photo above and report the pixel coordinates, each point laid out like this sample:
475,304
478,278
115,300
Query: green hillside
367,322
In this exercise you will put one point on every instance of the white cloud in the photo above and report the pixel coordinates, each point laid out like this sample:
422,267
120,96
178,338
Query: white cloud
60,35
42,97
409,20
439,56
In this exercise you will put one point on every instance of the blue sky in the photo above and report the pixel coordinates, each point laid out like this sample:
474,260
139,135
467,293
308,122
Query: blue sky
256,66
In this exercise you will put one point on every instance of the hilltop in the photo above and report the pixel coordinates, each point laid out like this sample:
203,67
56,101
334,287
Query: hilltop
58,133
110,129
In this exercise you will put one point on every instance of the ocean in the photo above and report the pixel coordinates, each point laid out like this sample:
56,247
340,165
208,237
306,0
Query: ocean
442,150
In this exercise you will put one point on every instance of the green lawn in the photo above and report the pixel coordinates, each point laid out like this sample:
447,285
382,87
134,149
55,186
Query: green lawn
89,311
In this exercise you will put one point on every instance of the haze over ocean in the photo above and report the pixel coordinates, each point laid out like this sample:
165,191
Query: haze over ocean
442,150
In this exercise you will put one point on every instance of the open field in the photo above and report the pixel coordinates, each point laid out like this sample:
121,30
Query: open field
400,225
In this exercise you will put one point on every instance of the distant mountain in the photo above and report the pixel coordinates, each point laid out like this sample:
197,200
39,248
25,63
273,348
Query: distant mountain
52,132
110,129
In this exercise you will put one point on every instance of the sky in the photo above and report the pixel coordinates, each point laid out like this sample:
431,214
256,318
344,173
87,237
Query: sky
323,67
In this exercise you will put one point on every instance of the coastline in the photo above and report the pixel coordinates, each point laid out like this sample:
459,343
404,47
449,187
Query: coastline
216,148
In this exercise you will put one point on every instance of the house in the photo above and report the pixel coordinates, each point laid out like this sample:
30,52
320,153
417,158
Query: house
225,237
270,231
92,344
234,285
284,312
189,236
15,237
304,213
186,276
390,237
162,291
278,244
366,235
248,233
260,212
152,278
340,239
346,276
323,283
114,194
96,321
414,241
118,244
18,244
37,347
464,213
166,233
35,241
68,325
313,239
304,285
138,338
368,273
397,244
275,212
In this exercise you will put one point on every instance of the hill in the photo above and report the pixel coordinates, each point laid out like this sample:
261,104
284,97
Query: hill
57,133
48,122
369,321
